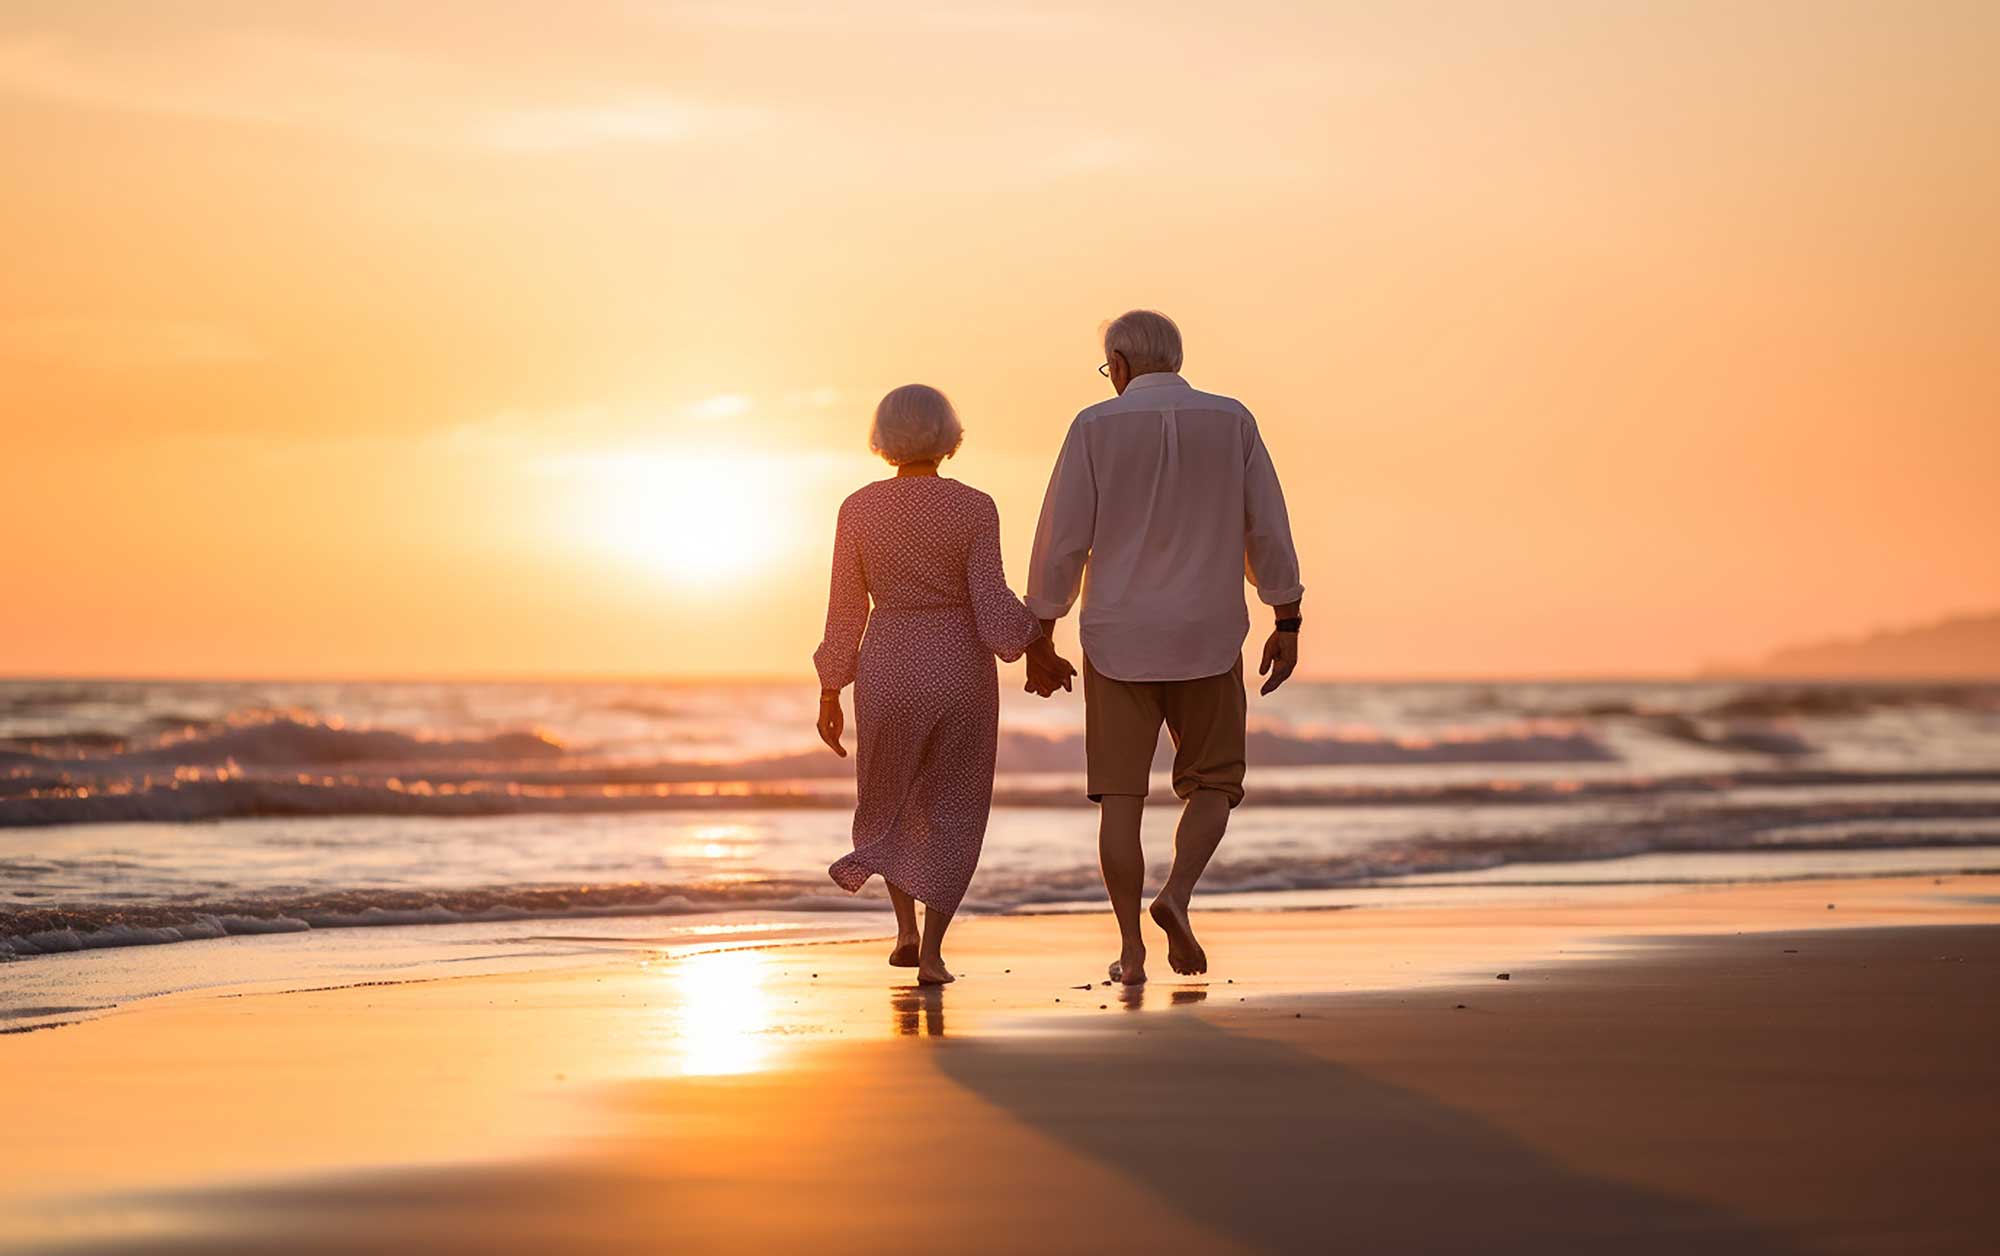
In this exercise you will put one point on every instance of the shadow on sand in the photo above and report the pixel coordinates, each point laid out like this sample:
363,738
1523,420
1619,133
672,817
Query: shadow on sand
1244,1143
1281,1150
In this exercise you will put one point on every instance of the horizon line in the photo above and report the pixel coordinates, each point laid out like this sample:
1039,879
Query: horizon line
803,679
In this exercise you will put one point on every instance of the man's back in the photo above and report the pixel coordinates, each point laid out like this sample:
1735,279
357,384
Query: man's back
1169,495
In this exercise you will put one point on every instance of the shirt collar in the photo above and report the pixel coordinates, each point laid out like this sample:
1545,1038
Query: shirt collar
1155,379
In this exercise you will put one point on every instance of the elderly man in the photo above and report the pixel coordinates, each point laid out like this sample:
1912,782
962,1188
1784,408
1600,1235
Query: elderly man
1169,497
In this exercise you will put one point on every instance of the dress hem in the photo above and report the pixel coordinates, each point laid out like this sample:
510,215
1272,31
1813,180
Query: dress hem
853,863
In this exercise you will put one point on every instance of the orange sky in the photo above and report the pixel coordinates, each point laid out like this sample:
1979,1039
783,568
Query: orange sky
387,339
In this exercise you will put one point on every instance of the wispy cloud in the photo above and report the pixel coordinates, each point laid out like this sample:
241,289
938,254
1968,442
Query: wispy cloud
563,440
111,343
240,77
358,92
721,406
1098,154
815,15
652,120
732,418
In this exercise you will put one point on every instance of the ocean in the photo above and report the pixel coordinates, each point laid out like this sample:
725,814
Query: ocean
279,832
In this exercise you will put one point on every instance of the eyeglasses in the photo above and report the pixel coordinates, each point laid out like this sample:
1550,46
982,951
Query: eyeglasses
1104,369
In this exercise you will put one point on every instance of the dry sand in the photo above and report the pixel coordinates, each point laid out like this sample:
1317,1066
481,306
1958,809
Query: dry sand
1737,1069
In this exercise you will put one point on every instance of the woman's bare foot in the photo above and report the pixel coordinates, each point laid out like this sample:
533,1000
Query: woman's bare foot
905,953
1129,968
932,972
1184,954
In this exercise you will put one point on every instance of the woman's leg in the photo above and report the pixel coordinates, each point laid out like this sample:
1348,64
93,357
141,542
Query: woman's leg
905,953
930,960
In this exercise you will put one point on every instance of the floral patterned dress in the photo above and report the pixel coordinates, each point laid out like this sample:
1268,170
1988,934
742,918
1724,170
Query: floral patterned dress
926,690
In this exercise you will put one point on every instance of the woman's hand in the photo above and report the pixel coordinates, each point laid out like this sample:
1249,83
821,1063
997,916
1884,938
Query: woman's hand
1047,670
832,721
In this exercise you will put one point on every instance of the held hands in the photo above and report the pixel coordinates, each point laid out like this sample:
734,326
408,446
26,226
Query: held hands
1047,670
832,721
1281,655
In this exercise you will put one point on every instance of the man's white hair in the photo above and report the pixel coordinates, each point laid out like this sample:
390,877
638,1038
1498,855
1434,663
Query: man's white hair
1148,339
915,423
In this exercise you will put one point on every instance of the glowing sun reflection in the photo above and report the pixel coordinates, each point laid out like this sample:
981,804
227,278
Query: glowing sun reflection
715,841
726,1013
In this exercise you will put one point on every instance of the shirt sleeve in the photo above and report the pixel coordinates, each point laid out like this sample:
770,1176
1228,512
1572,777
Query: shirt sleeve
1269,559
1004,624
1063,536
846,610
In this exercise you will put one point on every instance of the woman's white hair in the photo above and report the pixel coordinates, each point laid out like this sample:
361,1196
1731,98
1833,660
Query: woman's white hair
915,423
1148,339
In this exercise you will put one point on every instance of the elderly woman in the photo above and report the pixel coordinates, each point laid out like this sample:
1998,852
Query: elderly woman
926,690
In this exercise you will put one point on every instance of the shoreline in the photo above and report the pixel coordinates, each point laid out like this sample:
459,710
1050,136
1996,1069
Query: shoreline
712,1099
141,959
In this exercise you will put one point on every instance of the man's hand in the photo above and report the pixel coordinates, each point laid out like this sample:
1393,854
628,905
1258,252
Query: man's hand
1281,655
1047,670
832,722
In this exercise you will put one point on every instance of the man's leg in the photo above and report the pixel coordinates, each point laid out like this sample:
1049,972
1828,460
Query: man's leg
1206,718
1204,818
1121,726
1123,860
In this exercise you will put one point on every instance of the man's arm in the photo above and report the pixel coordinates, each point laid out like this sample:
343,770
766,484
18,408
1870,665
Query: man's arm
1270,559
1047,670
1281,649
1063,534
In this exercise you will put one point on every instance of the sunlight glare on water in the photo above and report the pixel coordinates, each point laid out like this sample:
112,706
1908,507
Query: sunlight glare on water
715,841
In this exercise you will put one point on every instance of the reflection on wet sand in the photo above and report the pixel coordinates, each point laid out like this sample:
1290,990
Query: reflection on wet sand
1134,997
918,1009
726,1013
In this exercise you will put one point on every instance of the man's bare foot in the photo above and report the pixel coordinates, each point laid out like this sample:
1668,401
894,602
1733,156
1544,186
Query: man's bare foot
905,954
932,972
1129,969
1184,954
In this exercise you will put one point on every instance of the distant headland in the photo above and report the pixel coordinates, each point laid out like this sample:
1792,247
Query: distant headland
1956,647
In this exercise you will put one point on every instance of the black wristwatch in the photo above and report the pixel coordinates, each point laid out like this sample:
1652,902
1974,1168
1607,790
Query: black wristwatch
1290,625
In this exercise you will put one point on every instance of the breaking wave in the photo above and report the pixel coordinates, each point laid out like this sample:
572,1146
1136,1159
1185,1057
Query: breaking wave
1779,701
185,802
1944,827
288,766
280,741
49,931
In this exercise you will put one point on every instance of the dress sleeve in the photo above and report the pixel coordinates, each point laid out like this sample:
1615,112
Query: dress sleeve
1270,560
846,609
1005,626
1064,534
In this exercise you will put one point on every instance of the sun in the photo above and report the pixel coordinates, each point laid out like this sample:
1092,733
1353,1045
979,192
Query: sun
698,515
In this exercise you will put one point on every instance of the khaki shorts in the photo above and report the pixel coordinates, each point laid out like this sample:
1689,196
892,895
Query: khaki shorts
1121,728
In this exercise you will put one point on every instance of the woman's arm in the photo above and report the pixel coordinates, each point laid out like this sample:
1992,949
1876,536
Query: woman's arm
846,620
1004,624
832,720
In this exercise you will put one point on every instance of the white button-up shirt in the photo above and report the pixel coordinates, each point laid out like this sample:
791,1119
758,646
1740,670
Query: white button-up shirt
1169,497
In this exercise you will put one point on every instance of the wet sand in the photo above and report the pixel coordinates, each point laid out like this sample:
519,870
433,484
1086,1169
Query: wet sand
1741,1069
